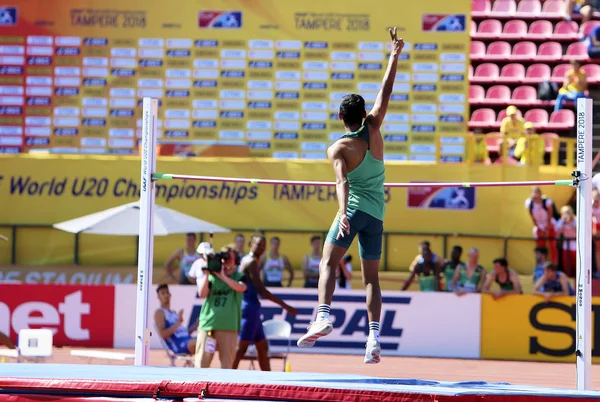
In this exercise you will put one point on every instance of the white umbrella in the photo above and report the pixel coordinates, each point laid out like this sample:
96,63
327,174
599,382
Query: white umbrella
124,220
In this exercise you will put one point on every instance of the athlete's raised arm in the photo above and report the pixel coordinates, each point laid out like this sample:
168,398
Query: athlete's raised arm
375,117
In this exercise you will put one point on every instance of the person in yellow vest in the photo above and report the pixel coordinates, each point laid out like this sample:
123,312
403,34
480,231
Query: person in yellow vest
530,148
574,86
512,127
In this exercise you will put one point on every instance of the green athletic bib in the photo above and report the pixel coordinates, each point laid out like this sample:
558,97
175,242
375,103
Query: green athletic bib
222,308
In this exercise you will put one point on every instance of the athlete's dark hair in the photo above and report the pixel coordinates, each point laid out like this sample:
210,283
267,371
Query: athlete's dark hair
162,286
543,250
501,261
458,248
352,109
191,235
551,267
314,238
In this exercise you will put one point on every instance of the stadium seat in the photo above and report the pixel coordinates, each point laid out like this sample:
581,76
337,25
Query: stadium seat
477,50
514,29
489,29
480,8
470,71
540,29
592,72
497,94
473,29
549,140
476,94
565,30
537,73
486,72
577,51
503,8
529,8
513,72
559,71
523,51
498,50
539,117
587,26
482,118
549,51
493,141
524,95
563,119
552,9
502,115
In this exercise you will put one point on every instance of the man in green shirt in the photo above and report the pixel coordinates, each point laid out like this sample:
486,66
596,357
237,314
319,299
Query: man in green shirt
357,159
221,313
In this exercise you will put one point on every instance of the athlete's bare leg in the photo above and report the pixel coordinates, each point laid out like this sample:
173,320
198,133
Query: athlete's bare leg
332,255
370,275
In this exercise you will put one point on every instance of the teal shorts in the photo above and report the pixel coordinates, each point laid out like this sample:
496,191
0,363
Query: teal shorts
370,234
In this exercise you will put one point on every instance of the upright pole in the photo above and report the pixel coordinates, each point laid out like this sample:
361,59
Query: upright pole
146,233
584,245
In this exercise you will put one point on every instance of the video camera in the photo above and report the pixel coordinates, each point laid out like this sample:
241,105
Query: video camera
214,261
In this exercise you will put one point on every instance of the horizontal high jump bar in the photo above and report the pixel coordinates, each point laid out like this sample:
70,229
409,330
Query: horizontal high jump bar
168,176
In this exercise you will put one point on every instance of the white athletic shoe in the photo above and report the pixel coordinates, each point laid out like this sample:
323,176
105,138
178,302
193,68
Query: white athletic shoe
373,352
316,330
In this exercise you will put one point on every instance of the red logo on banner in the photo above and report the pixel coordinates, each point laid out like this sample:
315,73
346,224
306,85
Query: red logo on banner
78,315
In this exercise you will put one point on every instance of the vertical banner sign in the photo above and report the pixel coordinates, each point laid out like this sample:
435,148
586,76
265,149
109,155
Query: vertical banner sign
146,234
266,73
583,349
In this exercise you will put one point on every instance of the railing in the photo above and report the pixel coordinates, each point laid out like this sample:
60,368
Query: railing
558,151
409,248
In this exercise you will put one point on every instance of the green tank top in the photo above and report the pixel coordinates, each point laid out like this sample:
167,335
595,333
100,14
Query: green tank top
222,308
367,193
470,284
449,269
507,285
426,280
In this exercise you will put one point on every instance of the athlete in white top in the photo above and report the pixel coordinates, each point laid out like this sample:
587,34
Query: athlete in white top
186,257
273,264
311,262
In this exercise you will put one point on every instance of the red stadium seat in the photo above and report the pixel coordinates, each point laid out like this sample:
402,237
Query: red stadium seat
502,115
498,50
577,51
523,51
514,29
592,72
497,94
563,119
477,49
486,72
489,29
549,140
503,8
587,26
539,117
482,118
537,73
549,51
559,71
566,30
540,29
529,8
552,8
513,72
524,95
480,8
476,94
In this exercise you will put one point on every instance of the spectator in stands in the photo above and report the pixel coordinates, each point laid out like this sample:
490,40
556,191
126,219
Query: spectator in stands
594,43
272,265
428,272
450,267
512,125
344,273
553,283
479,149
530,148
506,278
197,271
541,259
574,85
311,262
471,276
542,212
186,257
419,257
567,227
169,325
5,340
220,316
581,7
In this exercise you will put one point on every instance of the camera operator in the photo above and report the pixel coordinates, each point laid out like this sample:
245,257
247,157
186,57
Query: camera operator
221,288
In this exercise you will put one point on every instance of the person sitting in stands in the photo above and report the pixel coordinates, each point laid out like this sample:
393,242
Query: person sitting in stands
553,283
506,278
169,325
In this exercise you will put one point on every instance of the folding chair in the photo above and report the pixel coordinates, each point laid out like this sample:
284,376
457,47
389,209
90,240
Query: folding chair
35,344
274,329
186,358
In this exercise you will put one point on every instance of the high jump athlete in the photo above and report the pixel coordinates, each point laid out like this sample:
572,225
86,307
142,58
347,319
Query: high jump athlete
357,159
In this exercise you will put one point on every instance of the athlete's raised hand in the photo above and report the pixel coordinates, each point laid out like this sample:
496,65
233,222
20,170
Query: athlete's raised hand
397,44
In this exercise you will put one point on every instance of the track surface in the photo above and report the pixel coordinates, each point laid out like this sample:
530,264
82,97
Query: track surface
554,375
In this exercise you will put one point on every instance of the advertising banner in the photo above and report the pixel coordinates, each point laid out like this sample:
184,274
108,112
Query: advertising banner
412,323
530,328
269,74
69,275
78,315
